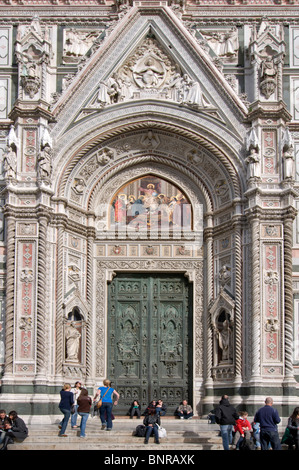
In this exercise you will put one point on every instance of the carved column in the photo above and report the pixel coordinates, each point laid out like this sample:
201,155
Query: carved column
59,299
288,298
238,301
41,363
90,297
255,333
10,287
208,238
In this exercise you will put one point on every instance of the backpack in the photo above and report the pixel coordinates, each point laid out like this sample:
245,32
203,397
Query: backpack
246,444
140,430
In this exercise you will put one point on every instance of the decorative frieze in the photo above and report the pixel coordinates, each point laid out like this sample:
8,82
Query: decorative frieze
26,302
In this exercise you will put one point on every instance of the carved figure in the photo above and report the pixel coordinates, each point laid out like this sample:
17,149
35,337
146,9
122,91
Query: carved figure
72,337
10,162
288,158
223,43
268,72
225,341
268,68
149,72
195,97
253,162
108,93
45,162
224,275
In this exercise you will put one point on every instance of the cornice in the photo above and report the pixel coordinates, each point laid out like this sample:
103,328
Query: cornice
24,109
277,214
268,110
92,12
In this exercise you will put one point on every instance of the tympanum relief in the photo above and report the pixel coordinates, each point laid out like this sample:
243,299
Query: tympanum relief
150,73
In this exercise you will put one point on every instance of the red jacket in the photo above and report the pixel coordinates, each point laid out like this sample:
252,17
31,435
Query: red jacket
242,423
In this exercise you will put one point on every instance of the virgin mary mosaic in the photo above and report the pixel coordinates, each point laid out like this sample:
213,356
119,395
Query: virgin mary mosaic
151,203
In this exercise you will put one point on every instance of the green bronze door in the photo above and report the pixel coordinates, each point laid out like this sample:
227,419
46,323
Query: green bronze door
150,339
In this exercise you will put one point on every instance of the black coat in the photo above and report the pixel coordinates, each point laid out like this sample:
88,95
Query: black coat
18,429
225,413
151,419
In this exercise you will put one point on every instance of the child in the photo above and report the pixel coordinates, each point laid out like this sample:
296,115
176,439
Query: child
242,428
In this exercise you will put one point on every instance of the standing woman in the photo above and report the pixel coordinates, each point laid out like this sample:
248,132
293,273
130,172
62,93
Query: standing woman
84,404
65,405
106,395
76,390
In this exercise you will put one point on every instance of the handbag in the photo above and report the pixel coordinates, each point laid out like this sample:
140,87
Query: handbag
100,402
162,432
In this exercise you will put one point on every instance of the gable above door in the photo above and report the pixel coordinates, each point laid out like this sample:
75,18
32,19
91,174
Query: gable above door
149,56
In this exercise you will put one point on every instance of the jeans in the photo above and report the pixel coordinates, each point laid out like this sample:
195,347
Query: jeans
74,416
64,422
227,435
271,437
84,418
135,411
2,436
106,408
149,430
185,415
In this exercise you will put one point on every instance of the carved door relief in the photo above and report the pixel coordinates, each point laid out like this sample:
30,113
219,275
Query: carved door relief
150,339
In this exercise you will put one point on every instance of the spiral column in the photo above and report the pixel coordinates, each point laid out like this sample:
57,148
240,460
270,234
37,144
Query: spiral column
208,238
238,301
89,295
59,299
10,298
288,298
255,300
41,365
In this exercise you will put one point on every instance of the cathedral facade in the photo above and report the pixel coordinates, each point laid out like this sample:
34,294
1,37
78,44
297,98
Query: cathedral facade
149,192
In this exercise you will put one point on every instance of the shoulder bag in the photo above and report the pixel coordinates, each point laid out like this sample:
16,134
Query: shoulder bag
99,403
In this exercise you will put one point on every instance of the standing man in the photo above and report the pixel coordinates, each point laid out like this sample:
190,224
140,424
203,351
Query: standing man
268,418
226,415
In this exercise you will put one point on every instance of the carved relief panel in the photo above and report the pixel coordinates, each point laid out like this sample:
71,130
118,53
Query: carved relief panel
149,338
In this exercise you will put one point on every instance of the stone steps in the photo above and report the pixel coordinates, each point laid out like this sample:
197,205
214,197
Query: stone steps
180,436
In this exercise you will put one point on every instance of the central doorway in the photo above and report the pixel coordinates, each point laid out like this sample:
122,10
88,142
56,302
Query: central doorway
150,339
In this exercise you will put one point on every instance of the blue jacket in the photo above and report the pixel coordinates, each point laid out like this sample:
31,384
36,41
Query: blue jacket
67,400
268,418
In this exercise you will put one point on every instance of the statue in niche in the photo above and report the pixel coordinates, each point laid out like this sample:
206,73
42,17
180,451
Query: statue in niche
268,68
45,163
268,72
10,162
288,158
253,162
225,275
45,158
253,159
72,338
288,155
224,335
